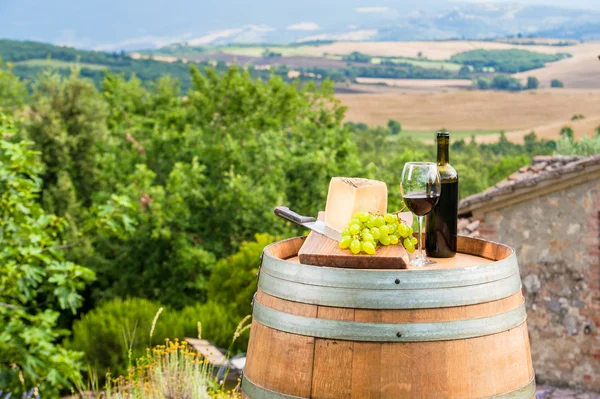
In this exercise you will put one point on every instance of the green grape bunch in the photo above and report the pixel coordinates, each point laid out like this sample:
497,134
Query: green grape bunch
365,231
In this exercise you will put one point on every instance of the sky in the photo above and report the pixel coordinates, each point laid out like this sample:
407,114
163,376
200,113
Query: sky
110,24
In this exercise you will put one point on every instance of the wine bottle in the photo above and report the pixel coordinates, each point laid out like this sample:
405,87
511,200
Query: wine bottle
442,221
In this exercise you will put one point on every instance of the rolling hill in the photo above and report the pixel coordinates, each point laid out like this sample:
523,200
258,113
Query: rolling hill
30,58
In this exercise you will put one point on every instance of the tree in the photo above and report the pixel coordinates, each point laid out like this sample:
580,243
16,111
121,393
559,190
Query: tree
356,56
36,284
464,71
556,83
394,126
69,126
12,90
483,84
530,140
532,83
233,280
567,131
235,144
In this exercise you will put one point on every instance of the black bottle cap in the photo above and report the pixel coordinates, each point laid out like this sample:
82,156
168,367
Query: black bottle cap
443,133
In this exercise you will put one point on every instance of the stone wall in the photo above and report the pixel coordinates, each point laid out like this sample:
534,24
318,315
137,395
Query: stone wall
556,238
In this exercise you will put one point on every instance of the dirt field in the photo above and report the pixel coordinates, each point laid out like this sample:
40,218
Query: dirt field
582,71
544,111
432,50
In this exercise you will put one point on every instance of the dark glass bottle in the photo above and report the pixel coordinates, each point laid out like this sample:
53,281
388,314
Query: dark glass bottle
441,222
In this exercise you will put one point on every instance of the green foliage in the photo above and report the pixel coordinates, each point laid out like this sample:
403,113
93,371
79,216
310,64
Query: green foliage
532,83
271,54
356,56
12,91
204,173
36,284
117,332
567,131
233,280
556,83
585,146
70,125
499,82
394,126
506,61
504,82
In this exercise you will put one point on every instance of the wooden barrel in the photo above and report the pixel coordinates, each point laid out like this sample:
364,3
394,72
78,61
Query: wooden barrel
452,330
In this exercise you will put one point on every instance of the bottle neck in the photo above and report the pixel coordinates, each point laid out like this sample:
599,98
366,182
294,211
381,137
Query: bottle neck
442,150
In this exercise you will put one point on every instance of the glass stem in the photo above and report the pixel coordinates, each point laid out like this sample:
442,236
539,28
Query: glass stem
421,256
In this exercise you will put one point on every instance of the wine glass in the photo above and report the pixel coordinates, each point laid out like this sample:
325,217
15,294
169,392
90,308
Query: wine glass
420,188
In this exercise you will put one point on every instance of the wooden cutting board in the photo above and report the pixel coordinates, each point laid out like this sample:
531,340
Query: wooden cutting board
319,250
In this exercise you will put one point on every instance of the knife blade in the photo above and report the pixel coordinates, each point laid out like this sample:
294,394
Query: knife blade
308,222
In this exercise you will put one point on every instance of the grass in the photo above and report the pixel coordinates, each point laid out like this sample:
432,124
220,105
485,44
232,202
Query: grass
456,135
59,64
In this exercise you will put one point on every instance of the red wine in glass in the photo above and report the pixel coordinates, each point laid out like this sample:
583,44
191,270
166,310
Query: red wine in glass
421,204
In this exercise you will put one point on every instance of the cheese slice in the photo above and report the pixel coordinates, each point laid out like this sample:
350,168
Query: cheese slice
348,195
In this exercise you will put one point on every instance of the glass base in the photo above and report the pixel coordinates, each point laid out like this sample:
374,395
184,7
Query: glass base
419,262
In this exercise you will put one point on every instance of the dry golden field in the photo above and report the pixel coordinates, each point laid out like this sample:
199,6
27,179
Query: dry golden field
582,71
544,111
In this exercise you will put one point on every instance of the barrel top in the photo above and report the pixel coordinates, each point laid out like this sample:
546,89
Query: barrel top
471,252
483,271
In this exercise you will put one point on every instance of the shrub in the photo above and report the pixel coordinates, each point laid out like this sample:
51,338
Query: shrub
233,280
532,83
169,371
567,131
117,332
585,146
394,126
556,83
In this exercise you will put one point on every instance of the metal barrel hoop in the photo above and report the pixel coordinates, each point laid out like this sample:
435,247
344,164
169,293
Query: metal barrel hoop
254,391
388,332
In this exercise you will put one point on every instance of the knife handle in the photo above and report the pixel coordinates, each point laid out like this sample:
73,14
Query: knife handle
287,214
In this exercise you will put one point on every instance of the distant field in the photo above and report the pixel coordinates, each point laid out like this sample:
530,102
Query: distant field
429,135
60,64
468,111
437,50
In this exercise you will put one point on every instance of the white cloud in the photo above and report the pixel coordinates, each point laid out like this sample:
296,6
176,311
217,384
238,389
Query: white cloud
357,35
211,37
142,41
373,10
252,32
303,26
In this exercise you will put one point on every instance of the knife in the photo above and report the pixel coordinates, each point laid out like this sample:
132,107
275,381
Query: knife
308,222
